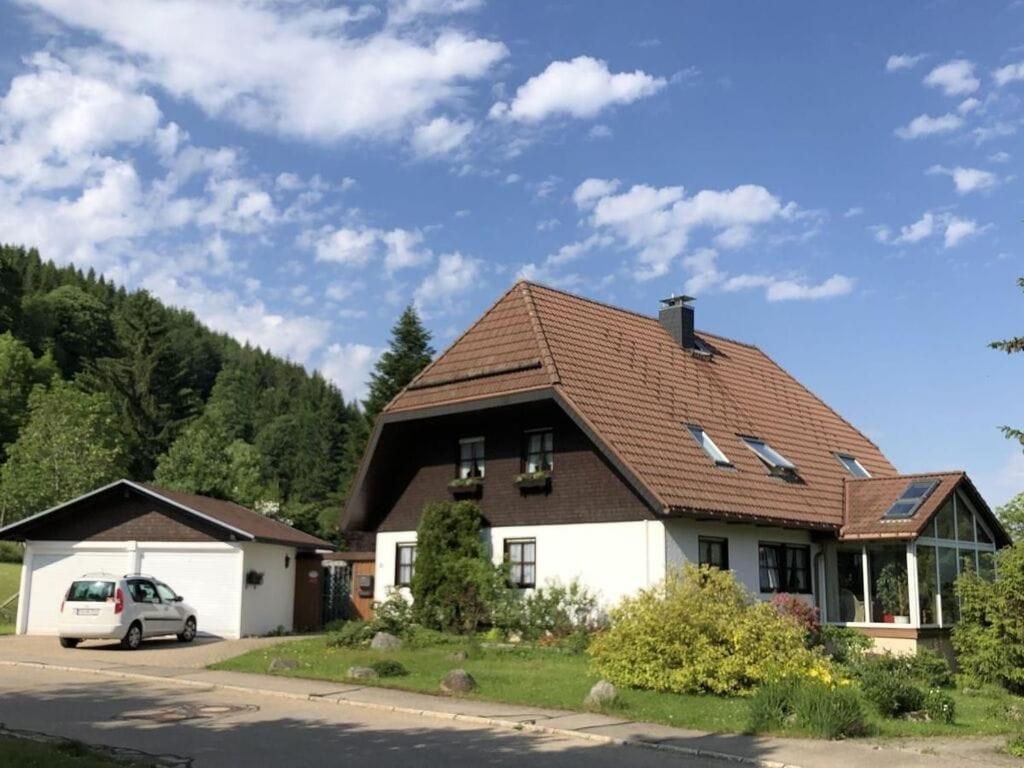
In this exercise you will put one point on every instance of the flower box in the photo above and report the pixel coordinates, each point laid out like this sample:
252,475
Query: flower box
466,486
528,481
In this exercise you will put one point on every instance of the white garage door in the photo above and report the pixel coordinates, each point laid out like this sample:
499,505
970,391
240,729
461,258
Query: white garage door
51,574
211,582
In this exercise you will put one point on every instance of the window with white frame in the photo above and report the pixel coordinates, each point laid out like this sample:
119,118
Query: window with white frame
708,445
852,466
539,455
471,457
775,461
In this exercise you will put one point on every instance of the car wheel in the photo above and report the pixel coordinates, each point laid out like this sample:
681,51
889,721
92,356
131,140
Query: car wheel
69,642
133,638
189,634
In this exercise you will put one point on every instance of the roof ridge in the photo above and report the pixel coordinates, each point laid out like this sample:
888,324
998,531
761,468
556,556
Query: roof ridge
542,339
902,475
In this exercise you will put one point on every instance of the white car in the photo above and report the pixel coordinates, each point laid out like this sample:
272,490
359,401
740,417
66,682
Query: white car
100,606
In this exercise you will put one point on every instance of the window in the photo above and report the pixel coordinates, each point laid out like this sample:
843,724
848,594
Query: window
850,570
785,568
704,441
165,592
852,466
521,556
714,552
540,451
143,591
90,592
471,457
907,504
776,462
405,564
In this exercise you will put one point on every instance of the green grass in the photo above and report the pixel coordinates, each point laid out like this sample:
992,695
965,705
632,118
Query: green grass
544,677
10,582
68,754
537,677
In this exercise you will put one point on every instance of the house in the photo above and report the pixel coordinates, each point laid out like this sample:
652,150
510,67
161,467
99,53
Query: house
610,446
245,573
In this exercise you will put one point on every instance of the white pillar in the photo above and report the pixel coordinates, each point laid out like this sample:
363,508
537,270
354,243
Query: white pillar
915,601
867,582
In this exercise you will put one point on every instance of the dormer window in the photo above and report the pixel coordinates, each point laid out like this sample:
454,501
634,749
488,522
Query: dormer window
852,466
708,445
776,462
471,457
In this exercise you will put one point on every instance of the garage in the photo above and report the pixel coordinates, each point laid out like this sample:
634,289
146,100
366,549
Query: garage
239,569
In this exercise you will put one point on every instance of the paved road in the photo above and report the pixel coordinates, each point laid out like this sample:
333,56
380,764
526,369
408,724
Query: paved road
209,727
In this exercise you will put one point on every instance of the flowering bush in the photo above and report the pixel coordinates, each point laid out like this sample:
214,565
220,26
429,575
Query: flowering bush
801,613
699,631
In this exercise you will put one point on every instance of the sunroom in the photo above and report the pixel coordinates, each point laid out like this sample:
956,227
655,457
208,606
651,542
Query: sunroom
904,542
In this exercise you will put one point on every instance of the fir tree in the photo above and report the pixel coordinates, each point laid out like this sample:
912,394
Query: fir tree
408,353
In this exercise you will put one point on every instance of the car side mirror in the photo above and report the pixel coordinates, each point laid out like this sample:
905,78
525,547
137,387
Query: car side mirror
178,598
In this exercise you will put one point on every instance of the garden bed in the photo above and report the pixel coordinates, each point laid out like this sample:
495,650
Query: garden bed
554,678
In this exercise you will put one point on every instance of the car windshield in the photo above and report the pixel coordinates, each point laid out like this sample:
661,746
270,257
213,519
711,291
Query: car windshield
165,592
91,591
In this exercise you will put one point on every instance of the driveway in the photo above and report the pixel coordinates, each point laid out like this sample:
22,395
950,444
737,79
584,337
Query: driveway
210,727
101,654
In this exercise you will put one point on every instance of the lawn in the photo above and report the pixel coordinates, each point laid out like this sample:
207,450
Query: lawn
551,678
10,578
66,754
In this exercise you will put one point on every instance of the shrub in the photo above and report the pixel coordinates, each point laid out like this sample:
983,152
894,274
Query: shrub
698,631
454,586
940,706
931,668
771,706
829,713
1015,745
801,613
335,625
989,638
844,644
351,634
417,636
389,668
11,552
891,693
555,610
393,614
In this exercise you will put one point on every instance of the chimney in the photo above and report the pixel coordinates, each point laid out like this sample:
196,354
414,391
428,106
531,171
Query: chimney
676,317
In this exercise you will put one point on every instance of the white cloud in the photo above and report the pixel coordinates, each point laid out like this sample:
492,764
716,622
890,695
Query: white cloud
954,78
404,11
286,68
968,105
599,131
353,247
455,274
791,290
926,125
958,230
853,212
999,157
348,366
967,180
1009,74
705,275
581,88
404,249
900,61
918,231
440,136
590,190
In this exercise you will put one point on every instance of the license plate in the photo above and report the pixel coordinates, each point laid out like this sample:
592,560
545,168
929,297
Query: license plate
87,611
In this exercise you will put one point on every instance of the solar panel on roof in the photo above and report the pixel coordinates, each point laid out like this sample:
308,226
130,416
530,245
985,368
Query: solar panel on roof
912,497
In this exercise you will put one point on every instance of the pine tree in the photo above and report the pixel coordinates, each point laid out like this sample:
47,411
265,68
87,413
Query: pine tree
408,353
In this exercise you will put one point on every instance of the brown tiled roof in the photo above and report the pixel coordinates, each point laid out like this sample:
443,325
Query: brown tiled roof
259,527
867,500
636,388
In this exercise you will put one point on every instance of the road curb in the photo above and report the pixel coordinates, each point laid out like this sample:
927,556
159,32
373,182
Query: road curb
514,725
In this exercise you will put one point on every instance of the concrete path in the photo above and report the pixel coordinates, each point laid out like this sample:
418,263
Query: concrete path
184,671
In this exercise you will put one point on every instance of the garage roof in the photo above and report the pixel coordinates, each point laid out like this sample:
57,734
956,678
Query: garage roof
240,522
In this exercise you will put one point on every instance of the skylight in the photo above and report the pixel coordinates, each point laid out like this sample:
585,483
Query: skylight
853,466
913,497
775,460
704,441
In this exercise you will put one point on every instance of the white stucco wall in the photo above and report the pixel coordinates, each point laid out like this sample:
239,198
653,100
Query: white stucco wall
271,604
611,559
681,546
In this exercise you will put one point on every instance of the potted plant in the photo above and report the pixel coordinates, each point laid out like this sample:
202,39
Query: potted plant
466,486
894,594
539,479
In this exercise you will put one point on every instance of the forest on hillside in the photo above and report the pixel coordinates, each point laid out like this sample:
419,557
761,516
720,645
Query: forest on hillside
98,382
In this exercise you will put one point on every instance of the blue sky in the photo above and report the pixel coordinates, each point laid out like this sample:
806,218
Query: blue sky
835,184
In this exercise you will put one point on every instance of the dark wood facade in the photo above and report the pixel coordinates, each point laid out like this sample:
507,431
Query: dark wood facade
415,461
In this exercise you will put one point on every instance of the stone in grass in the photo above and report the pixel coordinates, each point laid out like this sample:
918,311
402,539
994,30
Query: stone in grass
279,665
458,681
385,641
602,695
458,656
361,673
